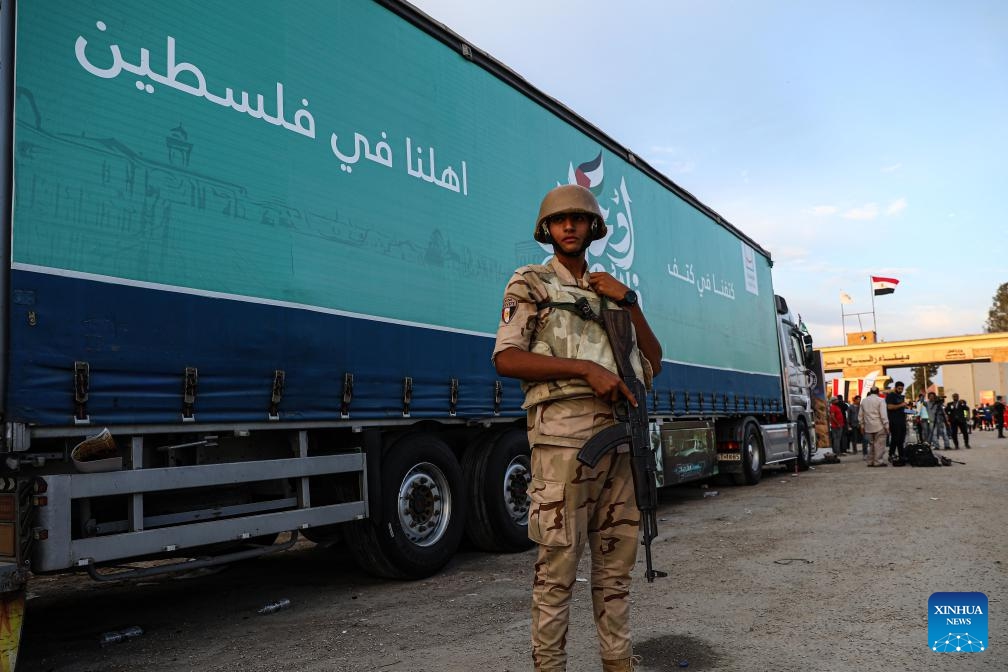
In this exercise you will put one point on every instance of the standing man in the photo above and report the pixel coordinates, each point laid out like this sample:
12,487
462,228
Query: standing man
936,408
845,434
874,421
958,413
895,405
568,373
924,426
999,416
854,426
836,426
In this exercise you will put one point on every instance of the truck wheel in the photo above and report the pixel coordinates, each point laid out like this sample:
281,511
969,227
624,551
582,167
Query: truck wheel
752,458
498,468
804,448
422,516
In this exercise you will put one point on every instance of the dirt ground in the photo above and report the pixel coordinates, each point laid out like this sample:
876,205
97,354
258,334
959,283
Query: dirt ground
827,570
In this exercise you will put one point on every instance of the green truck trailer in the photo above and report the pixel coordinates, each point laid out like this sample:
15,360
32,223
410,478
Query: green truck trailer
256,259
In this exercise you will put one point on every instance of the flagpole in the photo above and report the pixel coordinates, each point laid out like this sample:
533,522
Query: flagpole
843,324
871,292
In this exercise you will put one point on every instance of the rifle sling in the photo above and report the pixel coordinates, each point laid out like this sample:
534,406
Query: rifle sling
581,308
621,347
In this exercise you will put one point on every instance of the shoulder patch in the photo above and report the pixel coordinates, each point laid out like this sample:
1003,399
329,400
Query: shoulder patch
509,309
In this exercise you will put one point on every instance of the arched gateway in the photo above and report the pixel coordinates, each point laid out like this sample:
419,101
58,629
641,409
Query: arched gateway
856,362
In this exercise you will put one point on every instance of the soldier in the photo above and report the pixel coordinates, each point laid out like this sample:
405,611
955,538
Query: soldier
568,373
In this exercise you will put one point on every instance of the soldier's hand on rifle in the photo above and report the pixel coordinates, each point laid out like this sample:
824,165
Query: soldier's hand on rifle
606,384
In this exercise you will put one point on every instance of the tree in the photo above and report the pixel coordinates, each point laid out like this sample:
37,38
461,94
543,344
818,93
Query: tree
922,377
997,317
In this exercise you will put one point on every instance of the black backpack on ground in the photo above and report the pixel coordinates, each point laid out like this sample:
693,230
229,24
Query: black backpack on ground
920,455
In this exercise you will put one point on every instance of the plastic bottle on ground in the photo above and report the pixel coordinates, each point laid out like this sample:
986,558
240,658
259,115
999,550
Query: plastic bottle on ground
275,606
116,636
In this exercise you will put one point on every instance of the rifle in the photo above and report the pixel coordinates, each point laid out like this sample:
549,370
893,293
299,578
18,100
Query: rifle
631,427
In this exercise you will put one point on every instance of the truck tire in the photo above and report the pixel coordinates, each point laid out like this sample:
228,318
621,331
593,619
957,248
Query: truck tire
752,457
497,467
422,512
804,448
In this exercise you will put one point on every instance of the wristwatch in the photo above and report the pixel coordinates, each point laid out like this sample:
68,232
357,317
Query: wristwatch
629,299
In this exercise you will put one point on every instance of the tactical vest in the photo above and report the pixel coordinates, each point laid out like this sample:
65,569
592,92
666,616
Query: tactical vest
564,333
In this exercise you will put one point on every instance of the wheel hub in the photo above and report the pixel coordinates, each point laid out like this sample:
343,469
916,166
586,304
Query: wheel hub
516,479
424,504
754,455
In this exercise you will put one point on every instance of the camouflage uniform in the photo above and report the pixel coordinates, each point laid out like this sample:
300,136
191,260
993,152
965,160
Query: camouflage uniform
571,503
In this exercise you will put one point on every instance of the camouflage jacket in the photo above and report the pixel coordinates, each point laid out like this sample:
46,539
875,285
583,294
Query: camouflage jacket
557,332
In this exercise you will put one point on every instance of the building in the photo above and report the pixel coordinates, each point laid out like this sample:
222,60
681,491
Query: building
977,383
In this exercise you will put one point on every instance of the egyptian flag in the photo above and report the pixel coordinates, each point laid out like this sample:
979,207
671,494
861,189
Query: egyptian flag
883,285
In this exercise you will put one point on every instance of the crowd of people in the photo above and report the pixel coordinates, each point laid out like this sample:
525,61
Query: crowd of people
881,420
990,417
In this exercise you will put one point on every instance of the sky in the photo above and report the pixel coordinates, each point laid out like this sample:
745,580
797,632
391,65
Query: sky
848,138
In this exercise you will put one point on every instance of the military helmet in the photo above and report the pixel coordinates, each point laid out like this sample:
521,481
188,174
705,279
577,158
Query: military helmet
569,198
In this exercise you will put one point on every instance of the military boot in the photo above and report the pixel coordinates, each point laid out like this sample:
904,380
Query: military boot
621,665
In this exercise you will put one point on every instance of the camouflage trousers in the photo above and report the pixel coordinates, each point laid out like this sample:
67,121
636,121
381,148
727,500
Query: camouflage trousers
573,504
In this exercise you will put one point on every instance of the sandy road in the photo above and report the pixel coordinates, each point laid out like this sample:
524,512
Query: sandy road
829,570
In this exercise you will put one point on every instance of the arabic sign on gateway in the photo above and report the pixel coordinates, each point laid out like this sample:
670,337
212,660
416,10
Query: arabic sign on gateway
911,355
319,157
